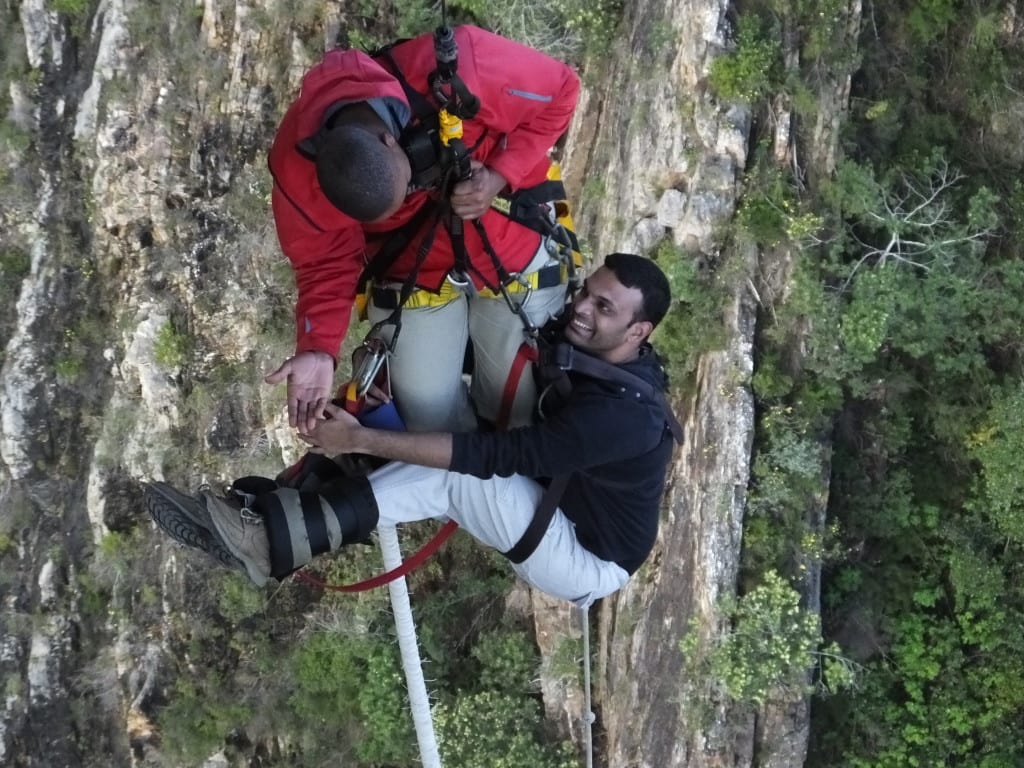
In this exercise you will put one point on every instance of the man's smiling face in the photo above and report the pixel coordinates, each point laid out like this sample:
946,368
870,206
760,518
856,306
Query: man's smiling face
603,318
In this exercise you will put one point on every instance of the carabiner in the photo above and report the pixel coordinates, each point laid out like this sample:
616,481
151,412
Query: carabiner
373,355
519,308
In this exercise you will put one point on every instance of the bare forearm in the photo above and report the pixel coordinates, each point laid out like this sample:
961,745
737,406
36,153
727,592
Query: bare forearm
428,449
342,433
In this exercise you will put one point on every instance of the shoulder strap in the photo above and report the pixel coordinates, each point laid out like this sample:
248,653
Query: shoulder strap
421,106
566,357
394,245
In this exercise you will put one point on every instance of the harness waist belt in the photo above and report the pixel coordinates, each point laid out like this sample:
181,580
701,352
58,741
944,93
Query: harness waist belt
387,298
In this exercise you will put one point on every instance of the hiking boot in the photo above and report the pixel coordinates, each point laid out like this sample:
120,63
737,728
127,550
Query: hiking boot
241,530
185,520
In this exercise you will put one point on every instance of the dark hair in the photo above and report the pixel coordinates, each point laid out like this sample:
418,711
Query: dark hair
639,272
355,172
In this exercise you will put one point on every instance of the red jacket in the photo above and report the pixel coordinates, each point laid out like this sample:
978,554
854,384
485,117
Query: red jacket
526,102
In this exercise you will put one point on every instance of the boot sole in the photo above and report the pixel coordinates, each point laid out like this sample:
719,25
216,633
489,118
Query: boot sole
172,513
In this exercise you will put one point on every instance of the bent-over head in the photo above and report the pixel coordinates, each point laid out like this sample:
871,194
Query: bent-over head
362,170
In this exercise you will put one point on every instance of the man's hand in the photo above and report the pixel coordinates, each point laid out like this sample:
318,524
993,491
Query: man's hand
333,435
471,198
341,432
310,376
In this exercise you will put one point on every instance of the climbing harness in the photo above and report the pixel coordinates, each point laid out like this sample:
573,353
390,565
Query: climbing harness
439,158
554,362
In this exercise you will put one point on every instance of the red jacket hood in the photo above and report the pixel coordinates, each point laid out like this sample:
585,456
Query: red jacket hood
341,76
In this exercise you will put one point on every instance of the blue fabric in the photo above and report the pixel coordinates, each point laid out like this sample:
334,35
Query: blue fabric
382,417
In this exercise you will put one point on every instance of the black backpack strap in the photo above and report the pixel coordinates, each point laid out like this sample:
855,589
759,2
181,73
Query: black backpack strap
421,106
538,526
566,357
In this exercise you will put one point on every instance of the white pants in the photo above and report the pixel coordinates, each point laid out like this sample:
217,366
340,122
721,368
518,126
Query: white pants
496,512
426,367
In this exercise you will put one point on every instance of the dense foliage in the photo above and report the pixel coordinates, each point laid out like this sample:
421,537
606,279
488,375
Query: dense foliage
891,367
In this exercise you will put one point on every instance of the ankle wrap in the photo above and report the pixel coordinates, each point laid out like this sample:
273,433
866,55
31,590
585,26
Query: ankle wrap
302,525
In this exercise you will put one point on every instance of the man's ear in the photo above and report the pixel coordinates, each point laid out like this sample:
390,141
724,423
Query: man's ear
387,138
640,330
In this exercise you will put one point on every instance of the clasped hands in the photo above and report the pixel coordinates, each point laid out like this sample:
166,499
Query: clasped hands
337,433
326,427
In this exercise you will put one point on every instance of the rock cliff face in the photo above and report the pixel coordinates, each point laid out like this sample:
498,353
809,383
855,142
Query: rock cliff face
671,160
145,232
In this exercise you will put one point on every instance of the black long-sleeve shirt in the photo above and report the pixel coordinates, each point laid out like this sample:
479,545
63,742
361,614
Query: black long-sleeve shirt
617,445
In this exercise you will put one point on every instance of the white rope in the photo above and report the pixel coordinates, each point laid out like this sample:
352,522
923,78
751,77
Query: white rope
405,627
588,713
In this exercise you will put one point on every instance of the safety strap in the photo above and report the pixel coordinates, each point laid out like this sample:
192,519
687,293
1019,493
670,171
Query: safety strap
391,249
568,358
526,353
421,107
538,526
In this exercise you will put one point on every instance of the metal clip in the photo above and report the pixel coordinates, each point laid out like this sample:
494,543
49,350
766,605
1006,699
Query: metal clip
518,308
463,282
561,355
373,355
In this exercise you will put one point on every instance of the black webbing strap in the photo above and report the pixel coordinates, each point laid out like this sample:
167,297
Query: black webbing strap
568,358
538,526
396,243
409,285
421,107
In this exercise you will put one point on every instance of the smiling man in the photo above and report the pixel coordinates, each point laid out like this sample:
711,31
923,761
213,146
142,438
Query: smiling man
591,470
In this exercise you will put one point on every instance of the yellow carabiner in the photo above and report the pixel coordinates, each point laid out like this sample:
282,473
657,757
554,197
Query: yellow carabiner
450,125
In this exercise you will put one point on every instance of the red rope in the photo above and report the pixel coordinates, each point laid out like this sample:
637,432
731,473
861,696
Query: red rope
380,580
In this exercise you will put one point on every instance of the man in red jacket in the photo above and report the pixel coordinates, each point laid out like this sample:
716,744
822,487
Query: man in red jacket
344,184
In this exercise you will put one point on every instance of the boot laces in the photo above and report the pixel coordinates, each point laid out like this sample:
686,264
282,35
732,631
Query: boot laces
235,497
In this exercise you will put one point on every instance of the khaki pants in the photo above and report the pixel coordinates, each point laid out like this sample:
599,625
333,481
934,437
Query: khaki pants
426,367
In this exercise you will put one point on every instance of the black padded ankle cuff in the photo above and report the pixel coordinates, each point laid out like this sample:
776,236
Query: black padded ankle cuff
302,525
354,506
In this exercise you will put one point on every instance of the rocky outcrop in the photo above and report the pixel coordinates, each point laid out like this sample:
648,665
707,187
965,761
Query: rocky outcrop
133,215
155,151
666,160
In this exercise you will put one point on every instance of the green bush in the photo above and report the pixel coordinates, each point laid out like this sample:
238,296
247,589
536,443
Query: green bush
751,71
328,670
497,730
171,347
771,649
236,598
998,445
384,708
199,718
695,321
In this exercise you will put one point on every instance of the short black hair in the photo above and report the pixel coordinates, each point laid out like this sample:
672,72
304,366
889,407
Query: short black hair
355,171
640,272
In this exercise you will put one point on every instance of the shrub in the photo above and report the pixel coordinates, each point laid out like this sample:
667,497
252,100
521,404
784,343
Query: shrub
171,347
497,730
750,72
